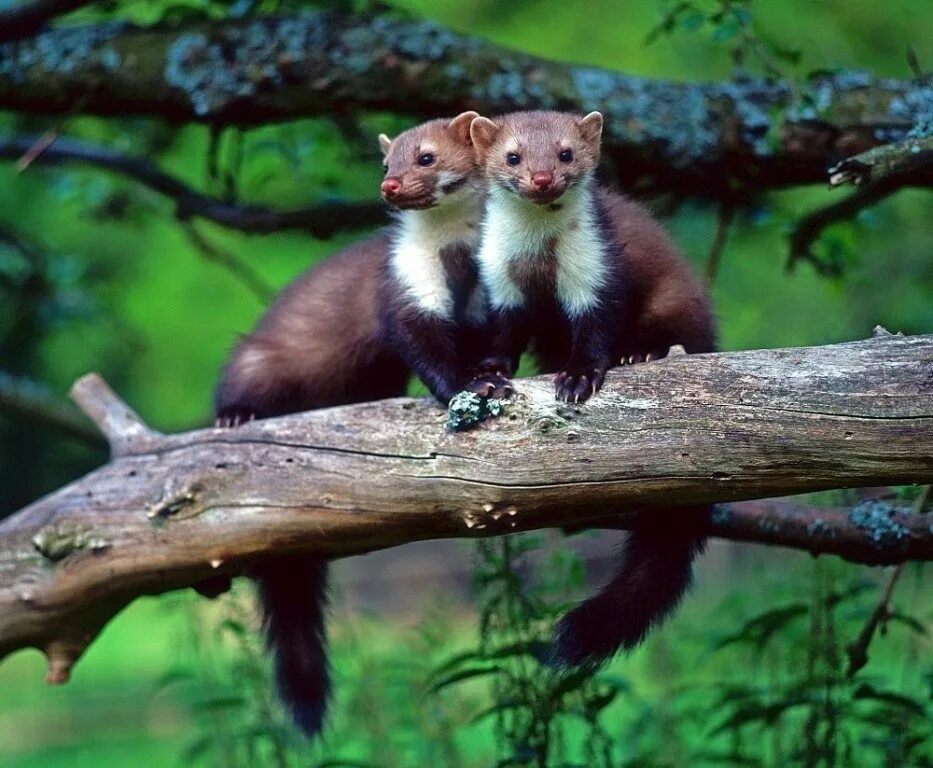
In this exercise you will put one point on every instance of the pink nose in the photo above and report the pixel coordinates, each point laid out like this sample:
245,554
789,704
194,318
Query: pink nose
542,179
391,185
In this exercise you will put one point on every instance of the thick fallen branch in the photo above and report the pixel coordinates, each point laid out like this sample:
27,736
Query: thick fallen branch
322,221
707,139
171,510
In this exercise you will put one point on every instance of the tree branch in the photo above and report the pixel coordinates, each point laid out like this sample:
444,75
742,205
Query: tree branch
911,158
322,221
27,399
707,139
27,18
857,650
172,510
877,187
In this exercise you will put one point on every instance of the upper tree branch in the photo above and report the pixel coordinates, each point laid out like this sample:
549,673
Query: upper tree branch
172,510
691,138
322,221
28,17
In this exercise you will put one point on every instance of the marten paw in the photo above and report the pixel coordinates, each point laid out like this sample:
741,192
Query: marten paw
491,385
578,386
233,416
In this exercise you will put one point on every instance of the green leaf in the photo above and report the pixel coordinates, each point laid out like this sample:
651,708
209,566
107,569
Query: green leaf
571,681
500,706
466,674
750,714
910,622
760,629
726,31
867,692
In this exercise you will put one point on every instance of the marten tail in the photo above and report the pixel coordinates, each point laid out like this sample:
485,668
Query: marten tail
293,597
653,575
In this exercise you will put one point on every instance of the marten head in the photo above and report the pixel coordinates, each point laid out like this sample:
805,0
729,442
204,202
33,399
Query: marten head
537,155
429,164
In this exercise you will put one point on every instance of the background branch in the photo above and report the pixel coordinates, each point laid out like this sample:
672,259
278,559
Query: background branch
322,221
810,227
857,651
173,510
27,18
30,400
707,139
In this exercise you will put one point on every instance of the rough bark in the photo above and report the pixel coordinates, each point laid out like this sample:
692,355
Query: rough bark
713,138
170,510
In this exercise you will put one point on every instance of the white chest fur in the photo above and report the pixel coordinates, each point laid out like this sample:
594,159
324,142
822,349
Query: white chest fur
515,229
415,258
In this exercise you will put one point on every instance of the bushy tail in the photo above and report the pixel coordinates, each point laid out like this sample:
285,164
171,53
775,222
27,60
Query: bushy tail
652,577
293,597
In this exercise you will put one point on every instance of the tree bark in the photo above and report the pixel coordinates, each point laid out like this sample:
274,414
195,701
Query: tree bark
171,510
708,139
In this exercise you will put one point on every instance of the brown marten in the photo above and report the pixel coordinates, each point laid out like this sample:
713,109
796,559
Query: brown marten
587,279
351,330
432,306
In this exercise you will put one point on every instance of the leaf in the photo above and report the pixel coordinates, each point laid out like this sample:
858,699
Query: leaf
760,629
667,23
726,31
571,682
910,622
173,677
500,706
537,650
726,758
596,704
197,749
766,714
465,674
868,692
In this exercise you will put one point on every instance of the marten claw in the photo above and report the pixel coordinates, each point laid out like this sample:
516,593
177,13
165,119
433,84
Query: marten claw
491,386
233,416
639,357
578,387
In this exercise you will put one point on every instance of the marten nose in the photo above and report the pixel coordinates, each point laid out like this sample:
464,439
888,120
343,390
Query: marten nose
542,179
390,186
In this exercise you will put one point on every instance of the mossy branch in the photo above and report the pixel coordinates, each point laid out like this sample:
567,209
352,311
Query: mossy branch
707,139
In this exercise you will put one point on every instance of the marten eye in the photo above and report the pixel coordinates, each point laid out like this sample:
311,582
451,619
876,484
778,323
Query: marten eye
566,155
426,159
513,158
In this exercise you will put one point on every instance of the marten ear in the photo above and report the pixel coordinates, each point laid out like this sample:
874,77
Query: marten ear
459,127
591,126
483,132
384,143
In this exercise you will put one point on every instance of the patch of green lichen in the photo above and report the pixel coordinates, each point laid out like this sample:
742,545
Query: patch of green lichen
57,542
467,409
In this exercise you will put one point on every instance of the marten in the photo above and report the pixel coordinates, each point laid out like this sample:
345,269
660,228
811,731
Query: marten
588,279
352,329
432,305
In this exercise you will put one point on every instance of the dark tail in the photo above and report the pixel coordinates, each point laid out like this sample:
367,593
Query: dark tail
654,573
293,597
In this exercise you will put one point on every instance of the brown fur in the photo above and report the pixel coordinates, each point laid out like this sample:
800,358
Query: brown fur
320,344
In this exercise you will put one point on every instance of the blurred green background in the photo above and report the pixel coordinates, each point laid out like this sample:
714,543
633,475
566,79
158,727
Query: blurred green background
121,288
